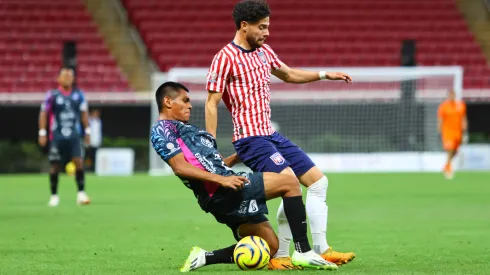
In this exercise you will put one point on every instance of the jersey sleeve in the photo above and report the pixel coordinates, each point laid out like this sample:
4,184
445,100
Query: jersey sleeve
276,63
164,138
47,104
83,102
218,73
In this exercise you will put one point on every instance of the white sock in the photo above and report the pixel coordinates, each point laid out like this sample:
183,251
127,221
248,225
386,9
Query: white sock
317,211
283,233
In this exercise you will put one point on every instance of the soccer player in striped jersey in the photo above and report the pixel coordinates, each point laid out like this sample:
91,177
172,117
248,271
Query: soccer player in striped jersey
240,76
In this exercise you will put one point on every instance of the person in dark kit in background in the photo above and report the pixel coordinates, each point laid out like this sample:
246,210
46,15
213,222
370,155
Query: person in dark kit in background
64,108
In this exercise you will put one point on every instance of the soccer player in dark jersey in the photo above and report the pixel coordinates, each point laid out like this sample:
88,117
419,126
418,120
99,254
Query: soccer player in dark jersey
235,199
64,108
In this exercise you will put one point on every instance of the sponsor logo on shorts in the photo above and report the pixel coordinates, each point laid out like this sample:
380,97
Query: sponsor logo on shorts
277,158
243,207
252,208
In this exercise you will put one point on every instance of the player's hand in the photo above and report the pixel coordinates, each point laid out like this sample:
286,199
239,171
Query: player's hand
42,140
339,76
87,139
233,182
232,160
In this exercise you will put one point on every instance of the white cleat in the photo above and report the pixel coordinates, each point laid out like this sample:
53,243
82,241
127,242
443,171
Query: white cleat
449,175
196,259
54,200
82,198
311,260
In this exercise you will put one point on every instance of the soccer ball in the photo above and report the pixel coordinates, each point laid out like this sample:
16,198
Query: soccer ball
251,253
70,168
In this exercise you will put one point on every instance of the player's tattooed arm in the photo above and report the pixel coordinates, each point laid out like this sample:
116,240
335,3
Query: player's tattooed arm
186,170
232,160
297,76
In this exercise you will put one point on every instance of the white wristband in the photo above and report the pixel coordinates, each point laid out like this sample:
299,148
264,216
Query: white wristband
42,132
322,75
87,131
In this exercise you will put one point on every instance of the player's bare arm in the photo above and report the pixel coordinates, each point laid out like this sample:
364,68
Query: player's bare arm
297,76
43,122
186,170
232,160
85,123
211,112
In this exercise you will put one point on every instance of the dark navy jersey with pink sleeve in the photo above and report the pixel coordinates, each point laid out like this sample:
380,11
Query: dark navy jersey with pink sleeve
170,138
64,113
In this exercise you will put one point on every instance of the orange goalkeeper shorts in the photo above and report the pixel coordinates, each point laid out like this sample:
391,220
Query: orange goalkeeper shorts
451,143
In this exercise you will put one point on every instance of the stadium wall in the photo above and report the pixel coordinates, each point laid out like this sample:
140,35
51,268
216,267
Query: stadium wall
127,125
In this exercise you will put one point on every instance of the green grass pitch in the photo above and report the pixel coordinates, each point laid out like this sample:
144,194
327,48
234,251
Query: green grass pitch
396,223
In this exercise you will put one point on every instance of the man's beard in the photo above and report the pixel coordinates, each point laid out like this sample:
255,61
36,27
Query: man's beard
252,43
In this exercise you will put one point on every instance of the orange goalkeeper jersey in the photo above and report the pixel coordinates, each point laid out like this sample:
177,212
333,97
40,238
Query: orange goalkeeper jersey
452,114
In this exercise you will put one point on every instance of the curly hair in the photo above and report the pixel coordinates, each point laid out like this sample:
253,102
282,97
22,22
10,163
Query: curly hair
250,11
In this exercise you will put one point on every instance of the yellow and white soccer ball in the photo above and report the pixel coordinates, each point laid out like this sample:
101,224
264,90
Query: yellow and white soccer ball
70,168
251,253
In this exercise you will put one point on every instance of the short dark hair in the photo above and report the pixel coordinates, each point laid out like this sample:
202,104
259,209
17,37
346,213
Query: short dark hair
64,67
250,11
169,89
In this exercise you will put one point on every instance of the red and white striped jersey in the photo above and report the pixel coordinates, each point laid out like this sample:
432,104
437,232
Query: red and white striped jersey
243,76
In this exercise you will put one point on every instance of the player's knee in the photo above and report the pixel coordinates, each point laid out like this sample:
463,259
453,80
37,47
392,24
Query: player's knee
291,185
54,169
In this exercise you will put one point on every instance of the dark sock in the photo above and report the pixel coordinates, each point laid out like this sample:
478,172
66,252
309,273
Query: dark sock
294,209
221,256
80,177
53,180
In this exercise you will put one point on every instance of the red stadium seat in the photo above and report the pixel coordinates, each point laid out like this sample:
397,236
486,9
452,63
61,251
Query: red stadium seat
311,33
31,40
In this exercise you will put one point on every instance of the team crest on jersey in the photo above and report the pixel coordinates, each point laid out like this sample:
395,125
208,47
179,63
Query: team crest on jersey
262,57
75,96
59,100
277,158
206,142
213,77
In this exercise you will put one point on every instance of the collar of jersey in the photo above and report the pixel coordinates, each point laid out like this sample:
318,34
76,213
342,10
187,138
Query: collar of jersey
242,49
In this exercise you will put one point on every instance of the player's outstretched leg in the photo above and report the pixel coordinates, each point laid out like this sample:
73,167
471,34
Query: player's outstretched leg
317,210
287,187
199,257
82,198
54,200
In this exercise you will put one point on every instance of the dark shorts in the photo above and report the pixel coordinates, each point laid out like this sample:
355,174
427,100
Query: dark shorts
272,153
235,208
62,151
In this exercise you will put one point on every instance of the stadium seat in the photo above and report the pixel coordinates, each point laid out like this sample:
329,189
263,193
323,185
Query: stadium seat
312,33
31,44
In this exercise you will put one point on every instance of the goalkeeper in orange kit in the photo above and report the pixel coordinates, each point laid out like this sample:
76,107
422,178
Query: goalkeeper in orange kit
452,124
